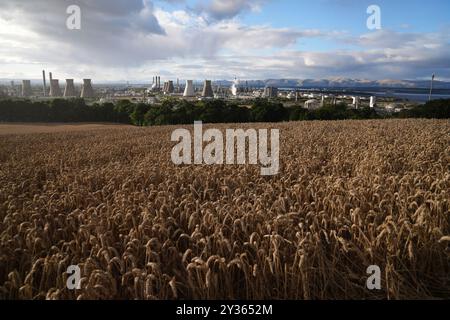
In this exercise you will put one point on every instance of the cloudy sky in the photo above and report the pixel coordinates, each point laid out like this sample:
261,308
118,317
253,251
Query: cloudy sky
222,39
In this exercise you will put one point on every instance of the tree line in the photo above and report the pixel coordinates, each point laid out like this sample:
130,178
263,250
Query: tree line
174,112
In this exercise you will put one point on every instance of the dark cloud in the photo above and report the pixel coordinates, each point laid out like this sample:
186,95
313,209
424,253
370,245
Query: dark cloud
106,26
226,9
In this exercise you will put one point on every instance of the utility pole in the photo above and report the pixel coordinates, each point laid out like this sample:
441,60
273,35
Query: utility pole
431,88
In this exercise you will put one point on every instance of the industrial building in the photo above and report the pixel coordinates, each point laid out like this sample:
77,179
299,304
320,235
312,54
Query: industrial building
356,102
373,102
156,84
312,104
221,93
271,92
26,88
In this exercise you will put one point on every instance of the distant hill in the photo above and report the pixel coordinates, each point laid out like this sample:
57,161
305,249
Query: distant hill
290,83
343,83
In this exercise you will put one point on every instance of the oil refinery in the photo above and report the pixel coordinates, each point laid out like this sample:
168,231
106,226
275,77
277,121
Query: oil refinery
236,90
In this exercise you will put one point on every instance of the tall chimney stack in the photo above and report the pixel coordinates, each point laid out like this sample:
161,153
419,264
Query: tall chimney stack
44,83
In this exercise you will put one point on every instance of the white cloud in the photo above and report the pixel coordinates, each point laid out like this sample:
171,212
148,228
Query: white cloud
138,39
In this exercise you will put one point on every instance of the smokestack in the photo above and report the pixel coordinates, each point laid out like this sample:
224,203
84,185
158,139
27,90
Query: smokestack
50,77
44,83
207,89
431,87
189,90
55,90
69,91
86,90
26,88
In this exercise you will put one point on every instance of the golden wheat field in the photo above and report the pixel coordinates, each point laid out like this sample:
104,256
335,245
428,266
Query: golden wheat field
349,194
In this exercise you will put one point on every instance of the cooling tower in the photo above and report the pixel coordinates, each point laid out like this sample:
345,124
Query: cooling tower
69,91
55,90
86,90
26,88
189,90
207,90
170,87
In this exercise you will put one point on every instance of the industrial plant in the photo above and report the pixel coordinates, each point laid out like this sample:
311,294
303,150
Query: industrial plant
52,89
236,90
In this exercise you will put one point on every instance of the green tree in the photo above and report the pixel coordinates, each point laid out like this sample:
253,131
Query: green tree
138,115
264,110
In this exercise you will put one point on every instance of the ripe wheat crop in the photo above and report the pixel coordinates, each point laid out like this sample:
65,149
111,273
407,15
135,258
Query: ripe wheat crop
349,194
